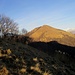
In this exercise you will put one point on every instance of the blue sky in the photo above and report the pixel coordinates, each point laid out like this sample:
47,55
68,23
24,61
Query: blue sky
33,13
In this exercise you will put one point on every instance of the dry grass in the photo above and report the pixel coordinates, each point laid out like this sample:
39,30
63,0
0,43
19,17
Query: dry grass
4,71
23,70
8,51
46,73
35,59
36,68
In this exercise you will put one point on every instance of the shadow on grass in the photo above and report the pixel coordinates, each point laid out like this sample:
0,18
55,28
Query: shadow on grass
52,47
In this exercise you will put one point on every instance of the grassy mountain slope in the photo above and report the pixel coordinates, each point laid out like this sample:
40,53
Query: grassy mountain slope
46,34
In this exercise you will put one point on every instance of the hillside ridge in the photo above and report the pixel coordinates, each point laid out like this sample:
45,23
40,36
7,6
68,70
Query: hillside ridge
47,33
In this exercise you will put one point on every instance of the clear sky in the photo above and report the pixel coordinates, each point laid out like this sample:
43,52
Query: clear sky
33,13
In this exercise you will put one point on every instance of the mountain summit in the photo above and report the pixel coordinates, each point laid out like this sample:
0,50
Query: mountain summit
47,33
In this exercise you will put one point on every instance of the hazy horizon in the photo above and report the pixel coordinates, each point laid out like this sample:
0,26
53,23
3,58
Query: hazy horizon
30,14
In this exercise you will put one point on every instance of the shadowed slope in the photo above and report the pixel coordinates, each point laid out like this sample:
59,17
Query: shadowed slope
20,59
53,47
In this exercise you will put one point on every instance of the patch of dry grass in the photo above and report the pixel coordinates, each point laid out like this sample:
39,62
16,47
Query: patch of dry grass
23,70
4,71
47,73
36,68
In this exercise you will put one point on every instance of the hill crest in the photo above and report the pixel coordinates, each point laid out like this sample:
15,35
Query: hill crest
47,33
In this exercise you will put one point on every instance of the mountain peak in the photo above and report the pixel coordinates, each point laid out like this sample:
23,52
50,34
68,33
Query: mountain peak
46,26
47,33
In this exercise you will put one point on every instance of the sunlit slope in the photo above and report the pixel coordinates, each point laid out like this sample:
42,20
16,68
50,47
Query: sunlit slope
46,33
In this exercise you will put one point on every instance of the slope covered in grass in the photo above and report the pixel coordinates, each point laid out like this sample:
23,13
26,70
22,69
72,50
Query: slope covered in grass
46,33
19,59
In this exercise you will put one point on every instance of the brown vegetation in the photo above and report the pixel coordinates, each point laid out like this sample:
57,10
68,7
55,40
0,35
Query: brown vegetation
46,34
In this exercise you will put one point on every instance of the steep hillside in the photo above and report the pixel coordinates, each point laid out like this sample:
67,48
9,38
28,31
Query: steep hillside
19,59
46,33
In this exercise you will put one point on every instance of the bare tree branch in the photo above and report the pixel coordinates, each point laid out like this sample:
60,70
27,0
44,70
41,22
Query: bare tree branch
8,25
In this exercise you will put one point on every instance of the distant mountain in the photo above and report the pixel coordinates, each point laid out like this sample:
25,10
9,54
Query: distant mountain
71,31
47,33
